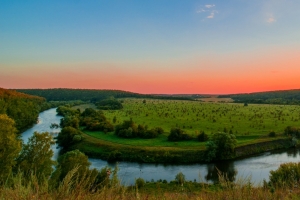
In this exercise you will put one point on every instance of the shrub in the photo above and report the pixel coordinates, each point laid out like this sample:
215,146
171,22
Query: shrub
292,131
109,104
202,137
288,174
180,178
139,183
176,134
272,134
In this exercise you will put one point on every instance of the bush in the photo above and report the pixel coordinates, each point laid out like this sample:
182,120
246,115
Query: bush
272,134
139,183
292,131
180,178
288,174
128,129
109,104
202,137
176,134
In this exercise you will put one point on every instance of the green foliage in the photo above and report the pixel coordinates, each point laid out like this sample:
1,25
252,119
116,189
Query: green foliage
70,160
128,129
272,134
62,94
70,120
22,108
35,157
114,155
67,111
176,134
180,178
114,119
221,146
291,97
292,131
140,182
211,150
109,104
287,175
54,104
10,146
67,136
95,121
202,137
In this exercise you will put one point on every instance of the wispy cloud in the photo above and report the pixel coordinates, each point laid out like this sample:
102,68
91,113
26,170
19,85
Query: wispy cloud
208,9
212,14
210,5
201,10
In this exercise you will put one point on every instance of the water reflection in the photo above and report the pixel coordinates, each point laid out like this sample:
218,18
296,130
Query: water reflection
293,153
225,169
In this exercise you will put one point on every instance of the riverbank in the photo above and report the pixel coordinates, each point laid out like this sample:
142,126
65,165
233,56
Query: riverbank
110,151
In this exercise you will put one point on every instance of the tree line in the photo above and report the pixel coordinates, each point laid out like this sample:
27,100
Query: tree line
286,97
62,94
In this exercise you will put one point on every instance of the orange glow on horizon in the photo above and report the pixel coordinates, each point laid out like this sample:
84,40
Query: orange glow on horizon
213,74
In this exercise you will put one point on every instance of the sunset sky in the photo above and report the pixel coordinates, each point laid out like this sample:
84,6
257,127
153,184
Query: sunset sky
151,46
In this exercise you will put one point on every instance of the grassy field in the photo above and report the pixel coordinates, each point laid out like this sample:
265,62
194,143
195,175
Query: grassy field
193,116
251,124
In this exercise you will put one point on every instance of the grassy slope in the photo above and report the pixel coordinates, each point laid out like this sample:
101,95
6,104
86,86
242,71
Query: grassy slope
250,124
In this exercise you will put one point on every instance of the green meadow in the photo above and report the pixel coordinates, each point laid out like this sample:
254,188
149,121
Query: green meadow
251,124
195,116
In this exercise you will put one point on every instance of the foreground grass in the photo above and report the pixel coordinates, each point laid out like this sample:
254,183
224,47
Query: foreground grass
75,188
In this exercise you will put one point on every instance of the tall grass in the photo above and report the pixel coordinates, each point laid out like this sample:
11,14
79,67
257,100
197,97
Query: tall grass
74,187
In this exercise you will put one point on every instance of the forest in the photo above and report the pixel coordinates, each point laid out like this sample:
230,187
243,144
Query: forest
62,94
22,108
283,97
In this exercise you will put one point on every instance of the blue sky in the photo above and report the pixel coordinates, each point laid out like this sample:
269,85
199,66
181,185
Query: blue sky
157,37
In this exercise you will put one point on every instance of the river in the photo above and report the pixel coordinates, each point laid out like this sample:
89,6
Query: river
255,168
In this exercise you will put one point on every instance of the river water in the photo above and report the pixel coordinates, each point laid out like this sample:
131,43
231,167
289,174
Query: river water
255,168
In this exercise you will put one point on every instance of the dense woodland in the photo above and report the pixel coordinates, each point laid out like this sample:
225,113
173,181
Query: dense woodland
289,97
22,108
62,94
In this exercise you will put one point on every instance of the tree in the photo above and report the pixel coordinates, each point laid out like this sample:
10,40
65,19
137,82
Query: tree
68,136
10,146
221,146
176,134
36,156
71,160
202,137
180,178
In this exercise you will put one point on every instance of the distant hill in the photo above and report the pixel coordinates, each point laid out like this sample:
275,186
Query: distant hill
290,97
62,94
22,108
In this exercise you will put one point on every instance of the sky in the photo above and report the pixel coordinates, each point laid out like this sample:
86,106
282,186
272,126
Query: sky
151,46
